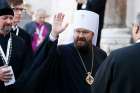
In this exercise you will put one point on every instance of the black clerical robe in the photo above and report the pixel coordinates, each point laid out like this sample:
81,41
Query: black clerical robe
27,77
63,72
23,35
120,73
19,59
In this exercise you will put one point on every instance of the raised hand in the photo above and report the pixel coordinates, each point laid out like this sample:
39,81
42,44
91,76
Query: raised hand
57,27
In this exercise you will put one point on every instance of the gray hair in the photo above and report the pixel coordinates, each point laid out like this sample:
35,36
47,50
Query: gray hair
40,13
137,19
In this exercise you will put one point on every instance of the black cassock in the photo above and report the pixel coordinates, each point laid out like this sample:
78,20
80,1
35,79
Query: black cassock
19,60
63,72
25,36
120,72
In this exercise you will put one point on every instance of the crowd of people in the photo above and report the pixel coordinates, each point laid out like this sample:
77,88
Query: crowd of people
31,61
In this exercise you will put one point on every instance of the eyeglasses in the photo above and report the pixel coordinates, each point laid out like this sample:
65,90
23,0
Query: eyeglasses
18,9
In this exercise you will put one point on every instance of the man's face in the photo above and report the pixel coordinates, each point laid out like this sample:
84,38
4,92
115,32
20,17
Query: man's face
41,18
6,23
83,37
17,13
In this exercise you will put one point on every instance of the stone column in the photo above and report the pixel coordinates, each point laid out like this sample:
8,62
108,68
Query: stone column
115,14
115,33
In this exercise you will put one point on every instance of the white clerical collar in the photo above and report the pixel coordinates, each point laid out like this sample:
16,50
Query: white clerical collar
14,27
138,41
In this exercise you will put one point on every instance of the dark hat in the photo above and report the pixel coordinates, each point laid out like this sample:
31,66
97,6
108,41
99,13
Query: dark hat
5,8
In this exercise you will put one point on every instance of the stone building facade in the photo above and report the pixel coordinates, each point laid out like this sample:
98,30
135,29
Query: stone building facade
119,17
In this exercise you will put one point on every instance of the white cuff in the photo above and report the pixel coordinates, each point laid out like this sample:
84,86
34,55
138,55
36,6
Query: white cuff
52,38
138,41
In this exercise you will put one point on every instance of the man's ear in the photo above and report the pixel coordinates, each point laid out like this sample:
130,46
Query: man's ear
137,28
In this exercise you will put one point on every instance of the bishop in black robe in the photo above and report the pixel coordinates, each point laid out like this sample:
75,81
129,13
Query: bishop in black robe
64,69
63,72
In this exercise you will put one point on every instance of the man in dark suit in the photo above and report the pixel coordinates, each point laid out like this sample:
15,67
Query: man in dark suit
38,29
17,6
120,72
97,6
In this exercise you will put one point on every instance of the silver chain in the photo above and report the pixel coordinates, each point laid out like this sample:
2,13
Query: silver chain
83,61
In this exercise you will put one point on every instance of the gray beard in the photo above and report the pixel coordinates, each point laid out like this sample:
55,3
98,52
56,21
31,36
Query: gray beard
6,30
